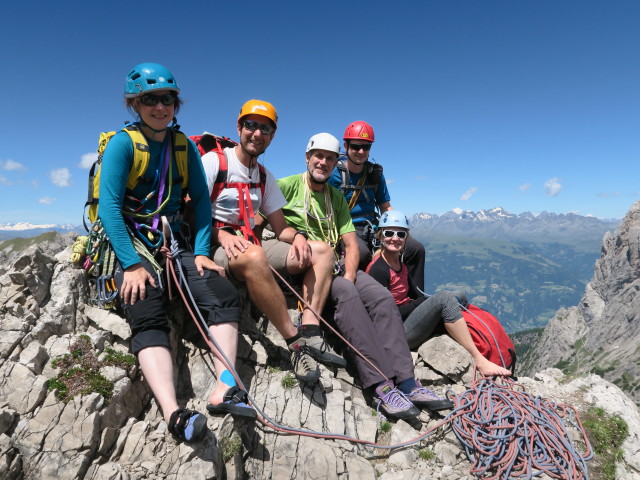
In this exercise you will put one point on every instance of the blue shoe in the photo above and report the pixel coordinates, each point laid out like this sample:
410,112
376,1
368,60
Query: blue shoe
188,425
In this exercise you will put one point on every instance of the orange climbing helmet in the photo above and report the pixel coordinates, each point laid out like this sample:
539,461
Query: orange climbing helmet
259,107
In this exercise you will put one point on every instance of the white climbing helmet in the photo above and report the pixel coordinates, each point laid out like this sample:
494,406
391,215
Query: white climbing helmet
393,218
324,141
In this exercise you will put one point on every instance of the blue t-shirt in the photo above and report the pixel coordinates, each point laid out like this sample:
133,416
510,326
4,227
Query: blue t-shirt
116,163
365,207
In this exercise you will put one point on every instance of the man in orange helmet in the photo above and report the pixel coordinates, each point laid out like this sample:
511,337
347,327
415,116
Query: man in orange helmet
239,187
365,189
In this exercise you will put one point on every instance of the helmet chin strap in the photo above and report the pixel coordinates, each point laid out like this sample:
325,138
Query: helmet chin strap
145,124
253,159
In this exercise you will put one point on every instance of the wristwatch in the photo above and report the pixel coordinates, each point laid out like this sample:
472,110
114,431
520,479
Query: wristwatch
301,232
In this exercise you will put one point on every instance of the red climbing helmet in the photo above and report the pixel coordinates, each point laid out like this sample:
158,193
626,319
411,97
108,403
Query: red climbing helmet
359,131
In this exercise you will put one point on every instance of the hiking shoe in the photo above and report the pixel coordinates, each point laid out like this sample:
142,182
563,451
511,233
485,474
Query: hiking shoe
305,367
422,397
235,402
323,353
393,403
188,425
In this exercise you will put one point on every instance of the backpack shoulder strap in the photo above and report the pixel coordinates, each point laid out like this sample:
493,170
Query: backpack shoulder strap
223,174
141,155
263,178
182,157
345,179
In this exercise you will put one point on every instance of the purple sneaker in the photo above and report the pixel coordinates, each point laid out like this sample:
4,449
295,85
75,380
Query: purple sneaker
422,397
394,403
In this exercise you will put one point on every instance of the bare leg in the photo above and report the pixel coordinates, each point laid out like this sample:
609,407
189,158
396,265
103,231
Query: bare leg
157,367
317,280
460,333
252,268
226,334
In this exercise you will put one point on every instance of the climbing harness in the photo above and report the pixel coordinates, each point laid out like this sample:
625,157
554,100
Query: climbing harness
208,142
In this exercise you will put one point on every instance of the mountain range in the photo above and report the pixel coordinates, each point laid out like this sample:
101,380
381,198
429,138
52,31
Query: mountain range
26,229
522,268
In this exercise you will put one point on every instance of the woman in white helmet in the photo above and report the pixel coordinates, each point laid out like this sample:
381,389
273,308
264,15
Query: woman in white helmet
421,314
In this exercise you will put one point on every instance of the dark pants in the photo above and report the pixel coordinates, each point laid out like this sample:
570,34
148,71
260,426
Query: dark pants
413,257
367,316
216,299
438,308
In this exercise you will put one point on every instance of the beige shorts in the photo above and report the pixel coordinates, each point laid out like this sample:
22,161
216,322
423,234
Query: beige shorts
275,250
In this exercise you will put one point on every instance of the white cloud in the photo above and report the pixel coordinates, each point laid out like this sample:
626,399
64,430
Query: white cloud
11,165
467,195
87,159
553,186
525,187
61,177
421,178
5,181
46,200
605,195
390,180
34,184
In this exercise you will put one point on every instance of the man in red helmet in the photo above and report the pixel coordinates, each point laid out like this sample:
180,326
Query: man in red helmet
365,189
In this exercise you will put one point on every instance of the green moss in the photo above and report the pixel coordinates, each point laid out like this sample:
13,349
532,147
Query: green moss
426,454
289,381
606,434
385,427
79,371
230,446
118,359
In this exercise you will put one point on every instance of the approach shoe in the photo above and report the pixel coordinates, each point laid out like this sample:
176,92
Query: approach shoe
323,353
422,397
305,367
393,402
235,402
188,425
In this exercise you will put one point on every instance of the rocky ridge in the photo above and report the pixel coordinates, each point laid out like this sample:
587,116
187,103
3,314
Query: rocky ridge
600,334
44,308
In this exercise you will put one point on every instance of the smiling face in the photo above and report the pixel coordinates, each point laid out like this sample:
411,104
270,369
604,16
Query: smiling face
357,151
156,116
320,164
254,142
393,243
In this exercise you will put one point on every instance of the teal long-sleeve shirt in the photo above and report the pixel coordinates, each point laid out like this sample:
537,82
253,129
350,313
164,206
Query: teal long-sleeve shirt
116,163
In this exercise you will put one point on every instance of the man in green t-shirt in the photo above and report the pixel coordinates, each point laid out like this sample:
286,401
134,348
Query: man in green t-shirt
365,311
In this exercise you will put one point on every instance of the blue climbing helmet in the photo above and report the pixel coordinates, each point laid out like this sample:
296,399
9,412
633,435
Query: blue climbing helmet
149,76
393,218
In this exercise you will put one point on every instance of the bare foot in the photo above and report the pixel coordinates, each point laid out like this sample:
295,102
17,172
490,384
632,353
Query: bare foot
489,369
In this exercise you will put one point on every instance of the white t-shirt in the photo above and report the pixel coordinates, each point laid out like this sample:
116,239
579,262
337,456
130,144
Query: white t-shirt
226,207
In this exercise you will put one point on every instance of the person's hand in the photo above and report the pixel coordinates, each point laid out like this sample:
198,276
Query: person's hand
300,251
134,284
205,263
233,244
350,276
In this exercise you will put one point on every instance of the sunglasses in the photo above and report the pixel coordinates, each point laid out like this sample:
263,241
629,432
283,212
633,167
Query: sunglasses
360,146
252,126
150,100
401,234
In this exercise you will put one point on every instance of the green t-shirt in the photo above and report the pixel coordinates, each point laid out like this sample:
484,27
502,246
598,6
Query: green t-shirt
296,214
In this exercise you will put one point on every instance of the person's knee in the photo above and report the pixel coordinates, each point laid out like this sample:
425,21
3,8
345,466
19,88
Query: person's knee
252,261
321,254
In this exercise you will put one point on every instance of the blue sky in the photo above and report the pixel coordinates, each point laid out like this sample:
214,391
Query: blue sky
528,105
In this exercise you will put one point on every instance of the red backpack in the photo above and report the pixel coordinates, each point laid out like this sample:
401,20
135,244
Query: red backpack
208,142
489,337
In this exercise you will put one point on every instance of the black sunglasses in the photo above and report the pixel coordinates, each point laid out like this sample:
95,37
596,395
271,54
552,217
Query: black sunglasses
252,126
358,146
401,234
150,100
